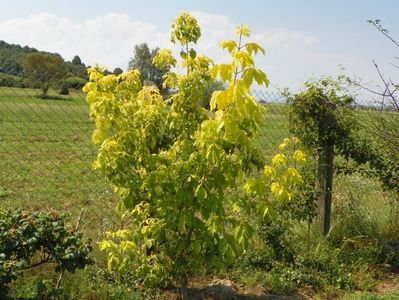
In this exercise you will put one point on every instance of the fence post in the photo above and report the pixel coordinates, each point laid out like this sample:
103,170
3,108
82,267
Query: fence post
325,165
325,179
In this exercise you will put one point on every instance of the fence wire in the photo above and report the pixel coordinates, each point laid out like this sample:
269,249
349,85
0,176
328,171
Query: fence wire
46,151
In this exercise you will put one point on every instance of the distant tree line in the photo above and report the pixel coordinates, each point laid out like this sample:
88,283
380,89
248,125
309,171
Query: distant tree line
12,58
27,67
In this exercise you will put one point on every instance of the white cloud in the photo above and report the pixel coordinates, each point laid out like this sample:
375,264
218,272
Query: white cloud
109,40
286,50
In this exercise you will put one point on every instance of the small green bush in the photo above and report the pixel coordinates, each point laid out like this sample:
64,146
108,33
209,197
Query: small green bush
12,81
74,82
64,90
28,240
276,235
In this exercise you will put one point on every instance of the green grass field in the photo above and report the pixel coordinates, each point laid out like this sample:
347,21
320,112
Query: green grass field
46,150
46,155
45,164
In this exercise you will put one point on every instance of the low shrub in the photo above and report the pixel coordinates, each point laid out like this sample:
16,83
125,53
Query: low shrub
63,90
293,258
12,81
68,83
28,240
74,82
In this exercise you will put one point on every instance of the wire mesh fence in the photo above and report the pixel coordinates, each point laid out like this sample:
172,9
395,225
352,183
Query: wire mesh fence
46,151
45,148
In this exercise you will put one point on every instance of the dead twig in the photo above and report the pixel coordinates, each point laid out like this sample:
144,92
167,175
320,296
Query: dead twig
388,84
79,218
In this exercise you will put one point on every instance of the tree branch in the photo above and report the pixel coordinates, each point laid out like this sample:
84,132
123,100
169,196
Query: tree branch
388,93
376,24
47,260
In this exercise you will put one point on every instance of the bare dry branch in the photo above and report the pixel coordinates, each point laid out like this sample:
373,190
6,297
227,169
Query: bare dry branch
79,219
384,31
388,93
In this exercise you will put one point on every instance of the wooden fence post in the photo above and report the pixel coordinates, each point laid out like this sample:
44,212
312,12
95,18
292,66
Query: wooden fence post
325,166
325,179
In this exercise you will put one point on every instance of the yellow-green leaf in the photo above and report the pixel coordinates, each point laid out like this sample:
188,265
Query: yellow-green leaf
254,48
279,159
228,44
268,172
299,156
243,30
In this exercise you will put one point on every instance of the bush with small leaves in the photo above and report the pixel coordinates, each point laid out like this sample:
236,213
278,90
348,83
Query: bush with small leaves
29,239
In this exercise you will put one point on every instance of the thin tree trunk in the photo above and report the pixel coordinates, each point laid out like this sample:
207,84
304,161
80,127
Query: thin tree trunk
45,90
184,288
308,237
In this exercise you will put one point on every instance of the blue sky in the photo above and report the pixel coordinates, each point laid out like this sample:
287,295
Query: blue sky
302,38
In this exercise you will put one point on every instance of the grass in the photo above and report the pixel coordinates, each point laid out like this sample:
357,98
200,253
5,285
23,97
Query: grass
46,150
275,129
45,164
46,155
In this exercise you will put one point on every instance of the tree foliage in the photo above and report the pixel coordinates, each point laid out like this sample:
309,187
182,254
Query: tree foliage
12,60
76,68
210,87
280,180
285,194
322,113
142,61
44,70
117,71
76,60
172,162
